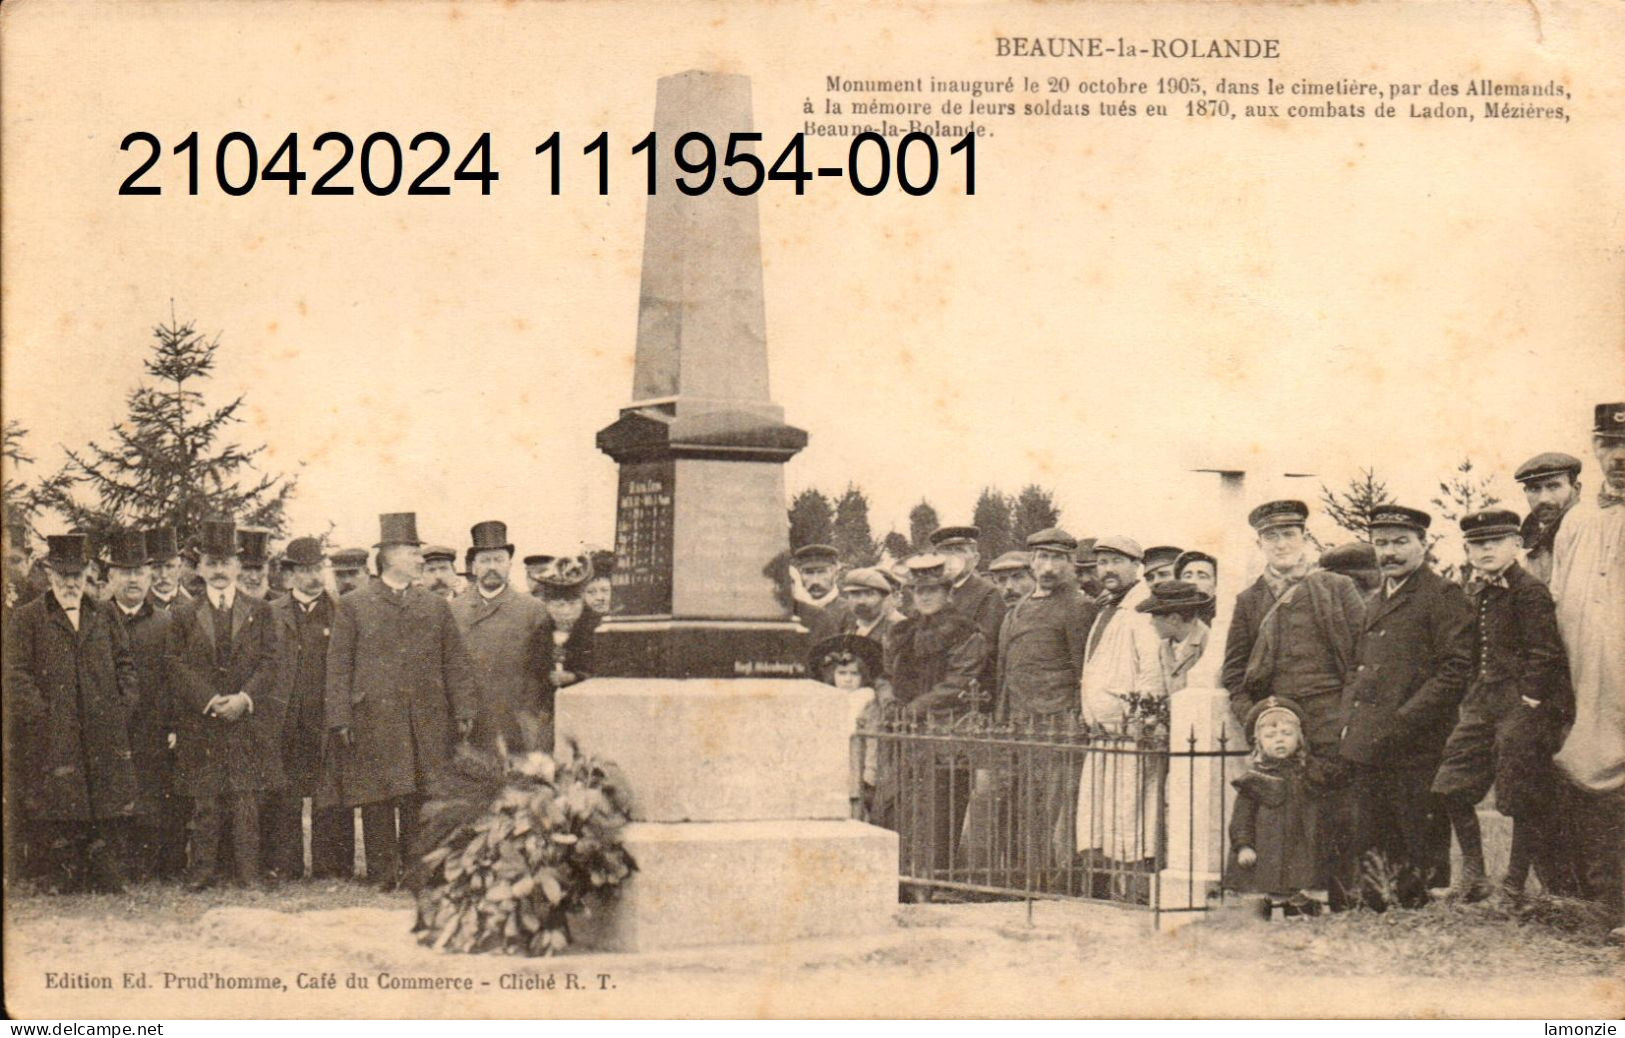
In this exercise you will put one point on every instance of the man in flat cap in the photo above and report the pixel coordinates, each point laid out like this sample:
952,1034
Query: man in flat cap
1202,570
253,561
304,622
400,693
1551,485
815,590
1412,665
1176,609
1588,582
1356,560
867,595
228,710
1040,663
70,683
974,596
1084,566
509,638
440,570
1122,678
935,660
157,846
349,569
1012,574
1161,563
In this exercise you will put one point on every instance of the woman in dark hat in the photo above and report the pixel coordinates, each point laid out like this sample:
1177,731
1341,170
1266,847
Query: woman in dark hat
560,588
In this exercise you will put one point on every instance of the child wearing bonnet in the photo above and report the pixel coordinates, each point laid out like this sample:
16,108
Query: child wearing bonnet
1274,831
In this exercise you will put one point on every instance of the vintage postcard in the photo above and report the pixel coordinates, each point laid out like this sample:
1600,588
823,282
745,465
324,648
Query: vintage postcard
746,509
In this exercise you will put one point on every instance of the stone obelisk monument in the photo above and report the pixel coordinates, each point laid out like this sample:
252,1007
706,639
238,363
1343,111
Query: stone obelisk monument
738,765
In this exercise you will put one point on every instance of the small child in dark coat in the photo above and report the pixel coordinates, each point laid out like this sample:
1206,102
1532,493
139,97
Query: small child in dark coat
1274,830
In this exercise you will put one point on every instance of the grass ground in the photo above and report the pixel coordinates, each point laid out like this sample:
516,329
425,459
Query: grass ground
1545,959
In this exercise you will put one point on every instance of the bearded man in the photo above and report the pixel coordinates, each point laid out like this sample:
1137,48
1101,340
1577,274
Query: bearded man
1551,485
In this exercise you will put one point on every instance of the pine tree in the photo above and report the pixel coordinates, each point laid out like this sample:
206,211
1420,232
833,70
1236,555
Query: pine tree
1462,494
993,517
851,535
168,463
922,522
1352,509
812,519
24,501
1035,509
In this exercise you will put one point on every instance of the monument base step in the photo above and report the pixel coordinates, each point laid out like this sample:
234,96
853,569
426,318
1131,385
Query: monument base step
707,883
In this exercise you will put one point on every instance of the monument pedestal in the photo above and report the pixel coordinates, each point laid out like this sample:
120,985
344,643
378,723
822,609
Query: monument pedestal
739,795
1196,799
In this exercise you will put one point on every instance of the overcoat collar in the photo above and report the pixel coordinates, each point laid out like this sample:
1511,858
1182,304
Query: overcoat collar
485,608
1384,603
59,616
240,615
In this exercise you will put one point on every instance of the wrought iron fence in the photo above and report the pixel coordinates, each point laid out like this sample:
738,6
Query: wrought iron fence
1040,807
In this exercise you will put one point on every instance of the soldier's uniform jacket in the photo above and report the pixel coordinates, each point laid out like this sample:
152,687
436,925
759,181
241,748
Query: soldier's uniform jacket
71,692
509,639
398,676
214,756
1515,642
1412,665
152,716
978,600
302,640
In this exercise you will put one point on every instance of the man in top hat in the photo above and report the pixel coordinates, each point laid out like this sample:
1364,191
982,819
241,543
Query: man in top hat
1176,609
815,590
1551,485
974,596
1588,582
440,570
253,560
303,620
1356,560
1122,679
70,683
1306,651
572,623
158,835
1201,569
400,693
1513,713
509,639
227,710
349,569
1040,663
166,567
1412,664
599,592
536,567
935,660
1012,574
1161,563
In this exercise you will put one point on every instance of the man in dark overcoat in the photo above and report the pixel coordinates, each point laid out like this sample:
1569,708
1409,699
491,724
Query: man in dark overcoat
1412,666
157,844
973,596
509,640
400,693
228,710
303,620
70,681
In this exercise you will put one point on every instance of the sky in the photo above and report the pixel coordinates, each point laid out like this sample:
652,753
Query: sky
1122,301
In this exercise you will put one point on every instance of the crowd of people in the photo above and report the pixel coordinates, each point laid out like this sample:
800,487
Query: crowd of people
1382,701
179,720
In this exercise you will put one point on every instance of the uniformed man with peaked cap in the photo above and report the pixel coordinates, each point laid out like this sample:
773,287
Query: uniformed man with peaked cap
974,596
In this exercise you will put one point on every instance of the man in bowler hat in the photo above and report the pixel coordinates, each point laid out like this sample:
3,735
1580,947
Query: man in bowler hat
400,693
